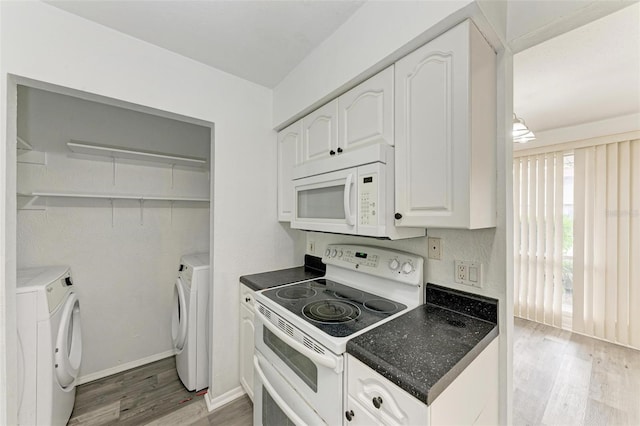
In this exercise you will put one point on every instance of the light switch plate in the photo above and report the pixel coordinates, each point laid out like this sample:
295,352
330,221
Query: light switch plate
435,248
311,247
468,273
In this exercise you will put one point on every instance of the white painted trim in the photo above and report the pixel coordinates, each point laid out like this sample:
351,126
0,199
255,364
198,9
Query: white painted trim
595,129
568,146
223,399
124,367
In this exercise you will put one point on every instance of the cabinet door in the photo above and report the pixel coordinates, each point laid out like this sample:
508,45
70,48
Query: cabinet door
366,113
445,161
359,415
320,136
289,155
246,350
381,398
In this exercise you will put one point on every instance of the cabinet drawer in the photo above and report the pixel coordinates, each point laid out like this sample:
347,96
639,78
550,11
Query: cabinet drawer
382,398
247,297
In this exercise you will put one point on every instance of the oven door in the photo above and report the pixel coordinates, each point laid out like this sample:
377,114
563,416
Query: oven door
276,403
315,373
326,202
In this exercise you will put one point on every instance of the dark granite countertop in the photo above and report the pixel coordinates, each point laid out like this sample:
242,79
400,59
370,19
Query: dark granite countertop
313,268
425,349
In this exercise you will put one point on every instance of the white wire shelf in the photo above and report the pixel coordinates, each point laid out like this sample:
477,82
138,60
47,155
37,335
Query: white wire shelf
113,196
82,147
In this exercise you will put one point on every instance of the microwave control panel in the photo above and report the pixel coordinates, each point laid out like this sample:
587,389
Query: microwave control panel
368,199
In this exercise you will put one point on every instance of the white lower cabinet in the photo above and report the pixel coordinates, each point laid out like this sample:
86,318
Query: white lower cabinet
357,415
471,399
381,400
246,339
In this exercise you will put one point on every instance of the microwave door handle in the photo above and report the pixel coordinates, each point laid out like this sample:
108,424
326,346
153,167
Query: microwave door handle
347,200
274,395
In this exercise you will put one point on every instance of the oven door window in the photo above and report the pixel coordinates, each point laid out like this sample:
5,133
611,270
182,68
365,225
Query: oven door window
321,203
302,366
271,413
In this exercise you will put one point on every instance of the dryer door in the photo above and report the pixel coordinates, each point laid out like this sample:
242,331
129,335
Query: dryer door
179,316
68,351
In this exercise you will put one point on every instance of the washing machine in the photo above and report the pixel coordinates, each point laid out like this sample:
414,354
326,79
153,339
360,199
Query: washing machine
190,321
49,345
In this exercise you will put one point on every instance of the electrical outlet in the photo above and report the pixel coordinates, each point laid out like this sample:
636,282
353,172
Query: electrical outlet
468,273
435,249
311,247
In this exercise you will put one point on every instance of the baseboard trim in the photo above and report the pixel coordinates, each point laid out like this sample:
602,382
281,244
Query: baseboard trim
124,367
223,399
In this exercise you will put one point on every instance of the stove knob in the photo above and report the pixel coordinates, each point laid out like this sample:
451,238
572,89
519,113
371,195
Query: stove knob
407,268
394,264
334,252
340,253
327,252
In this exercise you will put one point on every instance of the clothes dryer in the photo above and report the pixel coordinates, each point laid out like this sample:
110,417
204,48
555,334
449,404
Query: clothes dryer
190,321
50,345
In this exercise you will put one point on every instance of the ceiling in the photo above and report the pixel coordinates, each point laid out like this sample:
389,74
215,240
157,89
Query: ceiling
588,74
260,41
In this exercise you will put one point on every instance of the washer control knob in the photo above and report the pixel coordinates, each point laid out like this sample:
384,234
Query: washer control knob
407,268
334,252
394,264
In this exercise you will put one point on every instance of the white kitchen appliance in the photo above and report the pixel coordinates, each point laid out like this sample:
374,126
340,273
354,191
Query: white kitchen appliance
302,329
50,343
190,321
349,194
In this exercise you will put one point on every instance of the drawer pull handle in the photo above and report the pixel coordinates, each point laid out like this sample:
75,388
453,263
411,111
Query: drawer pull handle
377,401
349,415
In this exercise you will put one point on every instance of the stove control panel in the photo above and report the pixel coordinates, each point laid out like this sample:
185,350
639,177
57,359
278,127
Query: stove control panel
382,262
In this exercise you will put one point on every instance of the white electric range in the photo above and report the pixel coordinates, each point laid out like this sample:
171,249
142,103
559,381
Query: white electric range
302,329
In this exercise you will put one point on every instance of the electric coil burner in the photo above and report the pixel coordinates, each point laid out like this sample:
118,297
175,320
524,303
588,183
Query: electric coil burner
334,308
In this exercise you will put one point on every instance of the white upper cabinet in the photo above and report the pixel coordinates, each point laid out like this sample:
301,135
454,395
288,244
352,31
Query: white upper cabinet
363,116
289,156
445,132
366,113
320,137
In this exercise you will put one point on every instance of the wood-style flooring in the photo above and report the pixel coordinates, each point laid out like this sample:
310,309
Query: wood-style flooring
151,395
562,378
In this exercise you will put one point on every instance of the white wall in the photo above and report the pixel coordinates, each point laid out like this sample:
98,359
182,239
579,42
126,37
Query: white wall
357,44
43,43
124,269
373,37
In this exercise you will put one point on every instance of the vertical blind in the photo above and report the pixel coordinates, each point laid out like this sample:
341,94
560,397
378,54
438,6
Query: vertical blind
606,299
538,184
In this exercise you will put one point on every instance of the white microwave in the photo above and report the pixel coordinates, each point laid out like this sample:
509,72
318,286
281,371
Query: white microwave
357,200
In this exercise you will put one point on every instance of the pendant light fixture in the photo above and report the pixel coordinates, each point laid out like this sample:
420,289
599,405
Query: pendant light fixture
521,133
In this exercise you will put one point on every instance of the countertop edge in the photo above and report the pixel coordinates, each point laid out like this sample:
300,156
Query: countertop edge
393,373
460,366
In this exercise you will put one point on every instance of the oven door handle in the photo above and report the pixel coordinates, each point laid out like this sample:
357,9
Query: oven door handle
311,354
274,395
